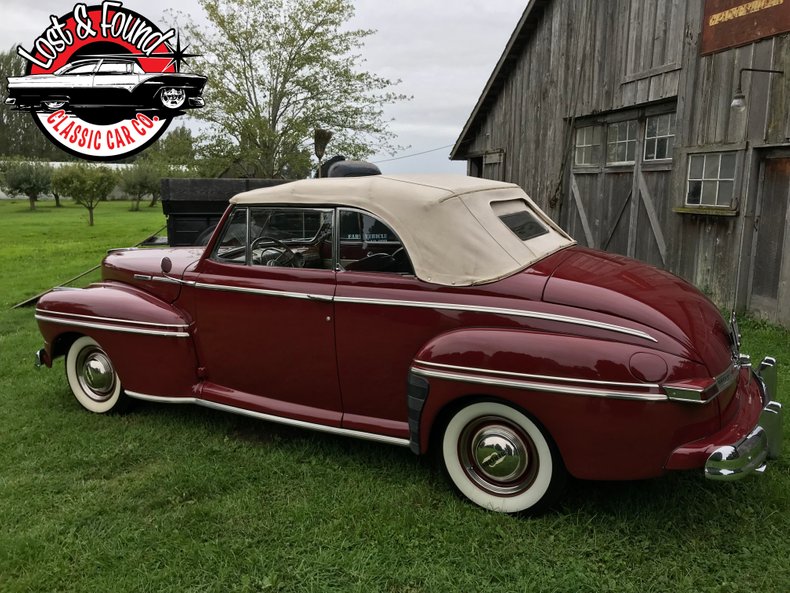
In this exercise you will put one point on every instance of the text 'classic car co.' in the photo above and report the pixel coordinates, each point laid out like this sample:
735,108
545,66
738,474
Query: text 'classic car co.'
659,130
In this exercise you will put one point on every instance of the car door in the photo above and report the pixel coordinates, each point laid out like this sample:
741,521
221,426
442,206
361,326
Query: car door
378,333
264,314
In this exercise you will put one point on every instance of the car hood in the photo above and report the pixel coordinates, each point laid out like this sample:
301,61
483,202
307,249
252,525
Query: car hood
617,285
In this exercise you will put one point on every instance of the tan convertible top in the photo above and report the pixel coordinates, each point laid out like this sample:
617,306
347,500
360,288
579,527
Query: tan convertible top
447,223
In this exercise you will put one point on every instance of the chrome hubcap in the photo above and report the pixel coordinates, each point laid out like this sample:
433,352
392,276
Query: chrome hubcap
498,457
173,98
96,374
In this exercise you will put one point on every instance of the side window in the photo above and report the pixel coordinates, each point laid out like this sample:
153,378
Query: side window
291,237
232,246
82,69
369,245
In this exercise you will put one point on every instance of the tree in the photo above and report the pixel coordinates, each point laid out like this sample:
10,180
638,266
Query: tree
27,179
277,70
19,135
173,155
87,185
141,179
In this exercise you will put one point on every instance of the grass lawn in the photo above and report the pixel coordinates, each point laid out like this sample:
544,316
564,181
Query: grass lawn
176,499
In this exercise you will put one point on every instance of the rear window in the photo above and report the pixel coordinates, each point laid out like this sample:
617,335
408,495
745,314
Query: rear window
517,216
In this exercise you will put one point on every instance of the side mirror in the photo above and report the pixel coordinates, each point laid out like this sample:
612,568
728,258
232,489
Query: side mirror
166,265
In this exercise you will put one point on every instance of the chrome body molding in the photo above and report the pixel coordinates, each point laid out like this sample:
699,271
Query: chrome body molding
263,291
357,434
708,393
538,386
749,455
501,311
112,319
115,328
432,305
161,399
453,367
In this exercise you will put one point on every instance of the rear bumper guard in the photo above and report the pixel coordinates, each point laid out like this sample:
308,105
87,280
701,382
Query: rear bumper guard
749,455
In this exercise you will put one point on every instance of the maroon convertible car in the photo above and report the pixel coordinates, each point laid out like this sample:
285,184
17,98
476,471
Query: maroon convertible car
446,314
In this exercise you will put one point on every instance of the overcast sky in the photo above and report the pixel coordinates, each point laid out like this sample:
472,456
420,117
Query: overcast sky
442,51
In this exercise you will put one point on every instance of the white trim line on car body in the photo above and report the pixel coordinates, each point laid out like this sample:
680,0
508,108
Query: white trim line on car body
121,329
261,291
436,305
453,367
113,319
358,434
531,386
500,311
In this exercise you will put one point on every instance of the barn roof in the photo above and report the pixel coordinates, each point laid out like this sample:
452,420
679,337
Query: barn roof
515,45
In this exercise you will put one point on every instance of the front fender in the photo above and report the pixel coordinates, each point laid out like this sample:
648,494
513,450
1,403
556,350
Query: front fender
148,340
606,422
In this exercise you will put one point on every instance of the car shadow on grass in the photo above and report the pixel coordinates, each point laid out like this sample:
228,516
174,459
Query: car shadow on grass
678,499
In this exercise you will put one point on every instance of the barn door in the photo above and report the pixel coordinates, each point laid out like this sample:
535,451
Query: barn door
619,184
770,285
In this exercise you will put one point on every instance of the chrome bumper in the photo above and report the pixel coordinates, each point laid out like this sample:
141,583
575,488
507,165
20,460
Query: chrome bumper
733,462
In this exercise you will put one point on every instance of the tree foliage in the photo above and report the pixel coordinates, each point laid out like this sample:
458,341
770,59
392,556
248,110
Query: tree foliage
28,179
87,185
19,135
139,180
277,70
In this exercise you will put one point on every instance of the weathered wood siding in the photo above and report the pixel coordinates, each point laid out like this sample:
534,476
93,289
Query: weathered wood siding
588,58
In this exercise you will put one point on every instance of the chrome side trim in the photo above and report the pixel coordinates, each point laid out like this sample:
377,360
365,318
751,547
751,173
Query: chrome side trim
539,377
434,305
532,386
500,311
358,434
262,291
161,399
113,319
127,330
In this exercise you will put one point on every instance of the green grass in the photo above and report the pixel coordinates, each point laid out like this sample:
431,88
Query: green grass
175,499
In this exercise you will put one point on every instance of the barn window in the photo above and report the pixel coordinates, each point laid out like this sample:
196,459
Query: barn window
621,142
588,146
711,179
659,137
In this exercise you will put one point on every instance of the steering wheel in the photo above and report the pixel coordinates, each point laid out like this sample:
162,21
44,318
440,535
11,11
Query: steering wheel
286,257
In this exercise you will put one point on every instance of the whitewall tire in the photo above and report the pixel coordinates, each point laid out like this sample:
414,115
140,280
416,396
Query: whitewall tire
500,459
92,377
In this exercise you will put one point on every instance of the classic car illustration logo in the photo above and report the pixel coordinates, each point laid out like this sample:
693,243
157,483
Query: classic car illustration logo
104,82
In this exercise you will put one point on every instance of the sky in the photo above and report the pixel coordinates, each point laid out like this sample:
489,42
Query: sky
442,51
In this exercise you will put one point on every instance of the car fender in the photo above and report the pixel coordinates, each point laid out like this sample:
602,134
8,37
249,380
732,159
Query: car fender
148,340
581,381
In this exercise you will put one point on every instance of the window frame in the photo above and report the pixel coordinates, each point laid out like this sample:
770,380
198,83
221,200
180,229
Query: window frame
732,206
639,114
637,122
247,208
657,137
597,129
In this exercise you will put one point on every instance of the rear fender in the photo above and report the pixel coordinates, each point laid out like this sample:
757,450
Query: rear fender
607,423
148,340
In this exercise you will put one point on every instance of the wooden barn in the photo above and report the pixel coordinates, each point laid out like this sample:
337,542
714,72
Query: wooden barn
617,117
